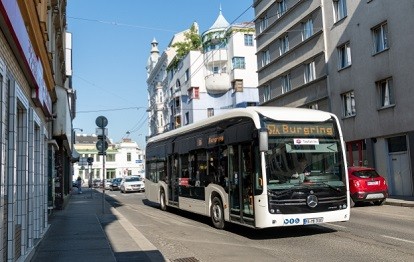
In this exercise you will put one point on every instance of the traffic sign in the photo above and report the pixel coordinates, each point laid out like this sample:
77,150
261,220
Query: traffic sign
101,121
101,145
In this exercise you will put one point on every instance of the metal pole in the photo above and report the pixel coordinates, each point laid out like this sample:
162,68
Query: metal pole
90,179
103,172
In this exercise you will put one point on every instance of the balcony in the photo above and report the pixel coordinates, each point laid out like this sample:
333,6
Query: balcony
217,83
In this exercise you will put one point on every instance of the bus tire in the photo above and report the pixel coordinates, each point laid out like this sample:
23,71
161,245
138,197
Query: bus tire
217,213
163,201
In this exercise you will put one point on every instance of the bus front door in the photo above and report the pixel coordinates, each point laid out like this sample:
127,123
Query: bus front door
240,184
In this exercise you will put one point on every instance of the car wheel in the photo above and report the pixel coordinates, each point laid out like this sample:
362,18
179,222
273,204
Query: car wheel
379,202
217,213
163,201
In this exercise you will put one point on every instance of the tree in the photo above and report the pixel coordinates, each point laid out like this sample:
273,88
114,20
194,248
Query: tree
192,42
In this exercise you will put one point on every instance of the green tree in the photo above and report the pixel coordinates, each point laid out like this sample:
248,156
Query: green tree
192,41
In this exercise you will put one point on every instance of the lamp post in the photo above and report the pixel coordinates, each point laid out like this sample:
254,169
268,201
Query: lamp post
74,134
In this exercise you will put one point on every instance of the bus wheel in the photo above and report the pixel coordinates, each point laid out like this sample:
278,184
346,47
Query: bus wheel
217,213
163,202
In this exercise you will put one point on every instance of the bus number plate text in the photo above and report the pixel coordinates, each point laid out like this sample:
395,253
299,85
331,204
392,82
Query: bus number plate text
314,220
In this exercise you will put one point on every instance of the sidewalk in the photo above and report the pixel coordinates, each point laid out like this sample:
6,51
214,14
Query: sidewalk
400,201
89,229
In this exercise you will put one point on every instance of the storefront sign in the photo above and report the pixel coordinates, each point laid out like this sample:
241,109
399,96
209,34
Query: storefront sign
10,11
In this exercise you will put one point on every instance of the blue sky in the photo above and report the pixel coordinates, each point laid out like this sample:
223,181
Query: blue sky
111,41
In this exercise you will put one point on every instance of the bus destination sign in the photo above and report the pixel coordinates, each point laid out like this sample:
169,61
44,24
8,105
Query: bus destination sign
302,130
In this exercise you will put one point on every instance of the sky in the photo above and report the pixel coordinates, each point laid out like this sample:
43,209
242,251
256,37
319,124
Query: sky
111,43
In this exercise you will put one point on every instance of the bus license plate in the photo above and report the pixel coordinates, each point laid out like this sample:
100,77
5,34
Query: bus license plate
314,220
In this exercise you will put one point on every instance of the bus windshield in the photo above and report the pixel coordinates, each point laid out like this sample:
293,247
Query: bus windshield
304,154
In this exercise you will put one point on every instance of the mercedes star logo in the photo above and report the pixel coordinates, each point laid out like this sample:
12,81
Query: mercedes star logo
312,201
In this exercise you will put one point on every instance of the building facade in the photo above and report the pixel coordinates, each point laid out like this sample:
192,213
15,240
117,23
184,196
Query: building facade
32,66
122,159
351,58
209,80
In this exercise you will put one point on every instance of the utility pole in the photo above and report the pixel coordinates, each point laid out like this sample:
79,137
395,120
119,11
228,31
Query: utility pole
102,146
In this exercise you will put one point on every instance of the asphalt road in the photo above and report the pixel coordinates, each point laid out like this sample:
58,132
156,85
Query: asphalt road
374,233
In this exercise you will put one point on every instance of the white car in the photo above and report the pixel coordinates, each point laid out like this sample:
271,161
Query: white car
132,184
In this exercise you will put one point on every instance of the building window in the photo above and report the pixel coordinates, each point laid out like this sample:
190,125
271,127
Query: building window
284,44
248,40
237,85
386,92
210,112
344,54
110,157
339,7
129,157
193,92
348,102
266,93
263,23
281,8
265,57
310,74
307,29
238,63
215,69
187,75
286,86
380,35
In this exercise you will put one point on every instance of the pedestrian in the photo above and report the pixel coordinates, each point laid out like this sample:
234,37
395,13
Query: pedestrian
79,182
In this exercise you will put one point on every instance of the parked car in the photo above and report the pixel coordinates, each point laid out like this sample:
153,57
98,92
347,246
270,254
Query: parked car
115,183
108,183
74,184
366,185
96,183
132,184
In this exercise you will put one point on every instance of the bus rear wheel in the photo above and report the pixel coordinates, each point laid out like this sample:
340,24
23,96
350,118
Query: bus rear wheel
163,202
217,213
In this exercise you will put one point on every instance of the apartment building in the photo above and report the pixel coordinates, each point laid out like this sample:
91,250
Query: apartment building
35,155
218,75
351,58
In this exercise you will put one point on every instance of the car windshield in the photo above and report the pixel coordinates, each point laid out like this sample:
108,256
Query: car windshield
132,179
366,174
293,159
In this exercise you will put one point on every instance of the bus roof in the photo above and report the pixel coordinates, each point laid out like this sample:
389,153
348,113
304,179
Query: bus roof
275,113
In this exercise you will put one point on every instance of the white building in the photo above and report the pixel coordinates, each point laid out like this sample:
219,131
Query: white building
122,159
221,75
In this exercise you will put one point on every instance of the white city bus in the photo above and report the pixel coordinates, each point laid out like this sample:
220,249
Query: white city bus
258,166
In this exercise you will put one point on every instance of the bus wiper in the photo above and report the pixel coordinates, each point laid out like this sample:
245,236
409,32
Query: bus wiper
331,187
274,193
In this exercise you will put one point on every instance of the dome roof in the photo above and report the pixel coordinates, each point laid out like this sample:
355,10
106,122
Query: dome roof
220,22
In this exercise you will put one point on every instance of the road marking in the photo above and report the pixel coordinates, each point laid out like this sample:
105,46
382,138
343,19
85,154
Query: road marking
136,235
399,239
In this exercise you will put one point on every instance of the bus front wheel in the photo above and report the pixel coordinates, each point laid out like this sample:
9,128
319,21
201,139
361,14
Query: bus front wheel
163,201
217,213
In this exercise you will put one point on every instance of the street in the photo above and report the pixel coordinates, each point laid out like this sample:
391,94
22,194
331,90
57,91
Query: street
374,233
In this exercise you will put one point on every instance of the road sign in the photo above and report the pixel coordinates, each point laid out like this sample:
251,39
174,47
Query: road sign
101,145
101,121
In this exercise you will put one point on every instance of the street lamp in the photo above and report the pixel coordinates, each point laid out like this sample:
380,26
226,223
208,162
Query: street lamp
74,134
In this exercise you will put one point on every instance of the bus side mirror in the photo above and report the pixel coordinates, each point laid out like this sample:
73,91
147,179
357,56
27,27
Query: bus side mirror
263,140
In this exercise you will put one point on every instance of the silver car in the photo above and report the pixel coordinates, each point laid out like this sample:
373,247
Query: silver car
132,184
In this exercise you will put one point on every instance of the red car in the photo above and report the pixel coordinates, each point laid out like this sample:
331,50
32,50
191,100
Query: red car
366,185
